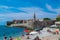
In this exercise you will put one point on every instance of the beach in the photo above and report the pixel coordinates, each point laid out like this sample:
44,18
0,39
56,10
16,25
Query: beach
53,37
44,35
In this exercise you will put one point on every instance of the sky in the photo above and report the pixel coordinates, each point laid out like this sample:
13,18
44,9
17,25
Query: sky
24,9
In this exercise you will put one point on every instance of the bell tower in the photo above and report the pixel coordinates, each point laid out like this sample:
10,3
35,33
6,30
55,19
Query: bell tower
34,17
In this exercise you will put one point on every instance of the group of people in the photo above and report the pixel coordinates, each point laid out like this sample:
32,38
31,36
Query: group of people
54,32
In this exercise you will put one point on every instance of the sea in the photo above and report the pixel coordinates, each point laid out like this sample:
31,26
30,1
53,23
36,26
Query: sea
10,31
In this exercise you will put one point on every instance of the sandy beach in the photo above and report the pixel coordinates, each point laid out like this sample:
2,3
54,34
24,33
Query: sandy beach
44,35
53,37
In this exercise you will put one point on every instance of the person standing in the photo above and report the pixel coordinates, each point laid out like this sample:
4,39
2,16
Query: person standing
5,38
11,38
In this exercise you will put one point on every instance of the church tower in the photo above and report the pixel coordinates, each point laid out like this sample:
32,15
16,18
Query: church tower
34,17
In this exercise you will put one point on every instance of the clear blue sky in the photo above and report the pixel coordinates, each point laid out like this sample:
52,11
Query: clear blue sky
24,9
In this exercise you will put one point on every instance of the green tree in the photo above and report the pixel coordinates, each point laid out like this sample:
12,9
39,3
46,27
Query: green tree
46,19
58,19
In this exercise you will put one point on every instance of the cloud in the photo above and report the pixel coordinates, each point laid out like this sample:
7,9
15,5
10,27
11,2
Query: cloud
29,15
50,8
8,9
5,7
38,11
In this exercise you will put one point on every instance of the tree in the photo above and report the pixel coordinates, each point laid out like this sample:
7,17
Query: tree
46,19
58,19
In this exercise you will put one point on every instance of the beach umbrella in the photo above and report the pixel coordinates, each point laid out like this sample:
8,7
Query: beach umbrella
34,32
57,30
26,30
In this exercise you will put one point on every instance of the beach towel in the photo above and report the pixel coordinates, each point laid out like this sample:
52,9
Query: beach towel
17,38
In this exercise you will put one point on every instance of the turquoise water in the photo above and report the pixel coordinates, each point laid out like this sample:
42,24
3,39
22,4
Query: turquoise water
10,31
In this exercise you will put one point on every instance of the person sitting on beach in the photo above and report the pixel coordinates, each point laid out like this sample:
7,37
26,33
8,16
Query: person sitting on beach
37,38
49,30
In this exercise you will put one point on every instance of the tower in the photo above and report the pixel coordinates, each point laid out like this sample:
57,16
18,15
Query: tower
34,17
34,21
